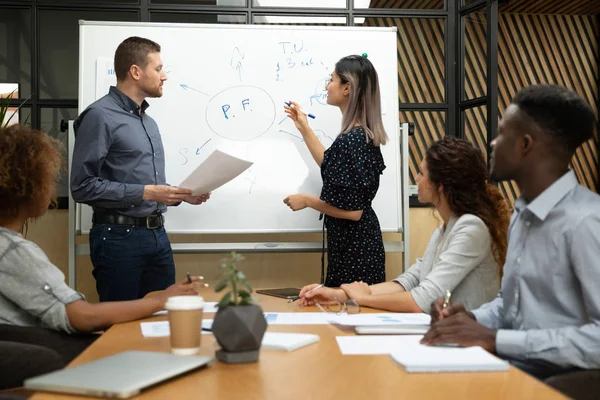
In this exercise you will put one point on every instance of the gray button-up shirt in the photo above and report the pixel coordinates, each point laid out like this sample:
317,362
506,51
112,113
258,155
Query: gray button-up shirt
33,291
549,304
118,150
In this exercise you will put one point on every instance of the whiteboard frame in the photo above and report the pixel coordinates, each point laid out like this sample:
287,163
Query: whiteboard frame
402,190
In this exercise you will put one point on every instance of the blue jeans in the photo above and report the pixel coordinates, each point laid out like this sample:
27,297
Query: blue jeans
129,261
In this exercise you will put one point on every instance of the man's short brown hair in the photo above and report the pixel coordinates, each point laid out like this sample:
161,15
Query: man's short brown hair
133,51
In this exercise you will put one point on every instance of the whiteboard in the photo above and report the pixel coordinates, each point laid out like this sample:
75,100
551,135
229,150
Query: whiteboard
226,89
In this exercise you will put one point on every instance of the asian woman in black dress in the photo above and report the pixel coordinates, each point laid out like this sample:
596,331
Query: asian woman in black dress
350,169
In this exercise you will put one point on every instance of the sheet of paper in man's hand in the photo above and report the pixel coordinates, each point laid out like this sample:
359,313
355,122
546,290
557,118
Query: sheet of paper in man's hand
218,169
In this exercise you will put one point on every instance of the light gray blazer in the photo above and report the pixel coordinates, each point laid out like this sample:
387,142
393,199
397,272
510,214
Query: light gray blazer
458,258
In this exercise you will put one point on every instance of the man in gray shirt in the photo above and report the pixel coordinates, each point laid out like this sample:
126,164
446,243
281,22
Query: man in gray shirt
118,168
546,318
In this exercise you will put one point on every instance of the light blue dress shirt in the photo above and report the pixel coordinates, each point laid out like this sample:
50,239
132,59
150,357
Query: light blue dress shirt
549,303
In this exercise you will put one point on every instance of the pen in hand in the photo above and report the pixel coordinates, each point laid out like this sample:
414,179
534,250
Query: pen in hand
299,297
287,103
189,279
447,299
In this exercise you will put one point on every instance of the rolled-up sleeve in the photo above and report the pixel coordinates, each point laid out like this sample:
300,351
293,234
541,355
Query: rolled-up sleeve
410,279
469,244
33,283
92,143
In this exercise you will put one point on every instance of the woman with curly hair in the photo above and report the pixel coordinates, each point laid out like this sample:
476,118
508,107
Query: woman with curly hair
465,255
33,290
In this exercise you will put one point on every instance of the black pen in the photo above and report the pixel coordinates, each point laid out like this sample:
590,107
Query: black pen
189,278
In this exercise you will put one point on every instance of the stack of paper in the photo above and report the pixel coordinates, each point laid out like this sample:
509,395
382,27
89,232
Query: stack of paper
444,359
415,357
287,341
162,328
381,319
209,307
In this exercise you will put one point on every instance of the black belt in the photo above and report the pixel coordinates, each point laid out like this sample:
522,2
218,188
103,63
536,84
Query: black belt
153,221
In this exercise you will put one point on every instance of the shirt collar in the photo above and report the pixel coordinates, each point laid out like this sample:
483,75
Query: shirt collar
549,198
125,101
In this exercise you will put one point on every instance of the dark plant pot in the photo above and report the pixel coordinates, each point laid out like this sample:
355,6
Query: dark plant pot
239,330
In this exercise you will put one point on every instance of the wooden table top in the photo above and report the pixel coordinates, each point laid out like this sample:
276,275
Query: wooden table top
318,371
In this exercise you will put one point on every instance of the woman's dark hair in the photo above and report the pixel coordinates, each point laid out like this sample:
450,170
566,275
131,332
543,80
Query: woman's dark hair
460,169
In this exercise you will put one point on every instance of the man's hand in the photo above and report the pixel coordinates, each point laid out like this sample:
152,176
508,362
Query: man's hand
356,290
438,312
164,194
463,330
181,288
196,200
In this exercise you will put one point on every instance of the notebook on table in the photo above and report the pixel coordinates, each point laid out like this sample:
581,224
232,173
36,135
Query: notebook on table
448,359
284,293
119,376
287,341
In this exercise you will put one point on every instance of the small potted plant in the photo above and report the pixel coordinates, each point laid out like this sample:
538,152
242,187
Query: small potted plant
239,325
4,109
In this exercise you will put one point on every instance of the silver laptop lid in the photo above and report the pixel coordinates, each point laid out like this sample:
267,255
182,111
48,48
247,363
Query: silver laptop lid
121,375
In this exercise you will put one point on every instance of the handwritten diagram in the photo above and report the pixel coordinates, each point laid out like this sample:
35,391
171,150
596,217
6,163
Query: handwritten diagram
241,113
247,106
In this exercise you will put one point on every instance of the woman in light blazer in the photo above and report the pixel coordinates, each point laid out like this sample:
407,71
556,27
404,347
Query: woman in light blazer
465,255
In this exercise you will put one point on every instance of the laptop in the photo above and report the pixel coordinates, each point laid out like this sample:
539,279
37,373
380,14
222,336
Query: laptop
119,376
391,329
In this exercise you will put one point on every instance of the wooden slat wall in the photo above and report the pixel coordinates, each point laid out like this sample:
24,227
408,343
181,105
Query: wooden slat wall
421,78
429,127
474,119
559,49
420,58
532,49
562,7
412,4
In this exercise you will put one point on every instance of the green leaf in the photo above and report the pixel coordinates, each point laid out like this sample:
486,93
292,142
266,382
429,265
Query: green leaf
221,285
243,294
4,109
245,283
225,300
245,302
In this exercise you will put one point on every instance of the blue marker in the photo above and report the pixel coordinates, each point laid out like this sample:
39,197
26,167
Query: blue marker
301,110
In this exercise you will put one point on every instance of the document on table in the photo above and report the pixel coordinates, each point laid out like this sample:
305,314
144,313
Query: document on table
287,341
444,359
374,319
209,307
373,345
415,357
218,169
299,318
162,329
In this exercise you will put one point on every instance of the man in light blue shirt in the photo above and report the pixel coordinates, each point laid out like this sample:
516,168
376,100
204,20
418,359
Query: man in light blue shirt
546,318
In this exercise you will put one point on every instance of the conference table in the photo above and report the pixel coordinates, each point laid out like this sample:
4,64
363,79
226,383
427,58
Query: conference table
317,371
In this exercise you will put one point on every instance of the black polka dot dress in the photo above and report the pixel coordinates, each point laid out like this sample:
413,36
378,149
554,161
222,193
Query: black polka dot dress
350,170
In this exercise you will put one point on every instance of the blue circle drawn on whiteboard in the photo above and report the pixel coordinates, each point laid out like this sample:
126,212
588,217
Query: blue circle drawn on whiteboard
241,113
